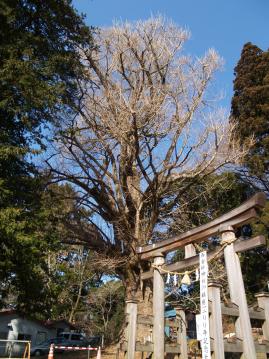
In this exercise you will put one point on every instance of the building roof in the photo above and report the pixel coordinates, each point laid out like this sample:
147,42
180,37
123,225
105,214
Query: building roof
47,323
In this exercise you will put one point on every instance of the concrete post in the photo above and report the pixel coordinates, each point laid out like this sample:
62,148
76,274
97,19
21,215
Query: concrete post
182,332
215,320
263,302
131,311
237,293
158,309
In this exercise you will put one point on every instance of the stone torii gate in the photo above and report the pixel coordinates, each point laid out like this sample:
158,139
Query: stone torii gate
224,226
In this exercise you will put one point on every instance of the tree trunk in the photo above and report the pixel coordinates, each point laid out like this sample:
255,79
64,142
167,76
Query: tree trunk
142,293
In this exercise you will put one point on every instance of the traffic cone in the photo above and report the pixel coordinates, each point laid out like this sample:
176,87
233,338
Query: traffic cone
99,353
50,356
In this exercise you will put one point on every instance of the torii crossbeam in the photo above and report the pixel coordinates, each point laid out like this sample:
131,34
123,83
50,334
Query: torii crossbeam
235,218
224,226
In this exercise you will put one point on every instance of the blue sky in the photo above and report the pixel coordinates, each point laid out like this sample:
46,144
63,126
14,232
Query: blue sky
225,25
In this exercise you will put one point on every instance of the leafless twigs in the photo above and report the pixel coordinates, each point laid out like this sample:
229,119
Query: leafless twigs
146,125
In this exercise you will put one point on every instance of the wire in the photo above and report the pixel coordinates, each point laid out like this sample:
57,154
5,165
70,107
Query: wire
225,244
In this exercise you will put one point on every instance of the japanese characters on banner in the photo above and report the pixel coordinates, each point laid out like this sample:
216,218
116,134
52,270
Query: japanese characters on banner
204,315
199,332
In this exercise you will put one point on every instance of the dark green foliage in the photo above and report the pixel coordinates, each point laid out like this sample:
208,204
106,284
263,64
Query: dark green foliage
205,200
255,263
39,63
40,70
250,106
36,269
216,194
23,248
250,112
256,271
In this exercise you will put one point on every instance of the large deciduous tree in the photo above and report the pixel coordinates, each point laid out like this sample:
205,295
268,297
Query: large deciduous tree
146,123
250,111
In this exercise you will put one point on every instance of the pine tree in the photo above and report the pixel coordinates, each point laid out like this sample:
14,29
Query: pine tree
40,70
250,112
250,109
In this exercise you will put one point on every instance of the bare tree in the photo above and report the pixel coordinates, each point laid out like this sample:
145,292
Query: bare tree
104,304
146,122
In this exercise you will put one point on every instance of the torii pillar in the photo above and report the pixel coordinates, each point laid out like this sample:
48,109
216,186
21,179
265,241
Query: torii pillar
237,292
158,308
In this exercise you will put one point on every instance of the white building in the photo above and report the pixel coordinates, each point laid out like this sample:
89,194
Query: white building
15,326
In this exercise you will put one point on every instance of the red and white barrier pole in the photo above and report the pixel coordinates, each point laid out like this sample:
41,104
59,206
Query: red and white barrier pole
50,356
73,349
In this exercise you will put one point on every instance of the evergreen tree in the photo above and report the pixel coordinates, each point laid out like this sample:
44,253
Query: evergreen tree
39,62
250,112
250,109
209,198
40,70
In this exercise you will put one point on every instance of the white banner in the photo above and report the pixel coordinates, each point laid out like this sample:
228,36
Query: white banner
199,334
204,315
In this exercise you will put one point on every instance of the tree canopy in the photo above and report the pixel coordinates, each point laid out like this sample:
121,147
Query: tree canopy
145,125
